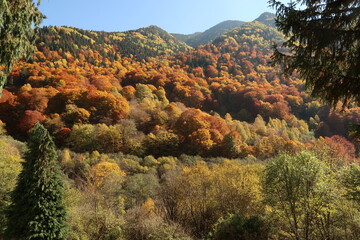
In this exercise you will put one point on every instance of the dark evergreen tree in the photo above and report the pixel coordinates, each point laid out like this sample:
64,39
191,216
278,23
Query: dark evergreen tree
323,38
37,210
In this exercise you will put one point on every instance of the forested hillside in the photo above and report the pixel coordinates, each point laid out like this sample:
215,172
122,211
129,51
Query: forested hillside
185,37
151,41
267,19
230,77
210,34
158,140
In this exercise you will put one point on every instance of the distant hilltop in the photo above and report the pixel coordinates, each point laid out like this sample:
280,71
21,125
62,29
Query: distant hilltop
201,38
267,18
145,42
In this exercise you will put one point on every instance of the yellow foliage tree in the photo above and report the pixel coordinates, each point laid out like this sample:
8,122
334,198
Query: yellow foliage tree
199,195
103,170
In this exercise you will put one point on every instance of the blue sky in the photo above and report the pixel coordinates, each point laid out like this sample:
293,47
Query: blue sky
186,16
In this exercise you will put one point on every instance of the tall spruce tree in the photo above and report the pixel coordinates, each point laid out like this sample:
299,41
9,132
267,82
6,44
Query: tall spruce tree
37,210
18,23
324,42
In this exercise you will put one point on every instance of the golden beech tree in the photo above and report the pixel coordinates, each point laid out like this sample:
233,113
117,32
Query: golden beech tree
201,140
190,121
200,194
104,170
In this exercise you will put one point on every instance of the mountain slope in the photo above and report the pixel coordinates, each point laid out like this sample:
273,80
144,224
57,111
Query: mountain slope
185,37
201,38
251,34
212,33
267,18
79,83
145,42
209,35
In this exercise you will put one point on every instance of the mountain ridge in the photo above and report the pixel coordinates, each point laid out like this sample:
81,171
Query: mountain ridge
267,18
145,42
209,35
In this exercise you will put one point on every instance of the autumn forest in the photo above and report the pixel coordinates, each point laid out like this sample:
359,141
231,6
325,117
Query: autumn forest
158,139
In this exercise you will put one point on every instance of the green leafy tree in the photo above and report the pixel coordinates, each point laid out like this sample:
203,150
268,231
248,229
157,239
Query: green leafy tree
304,199
18,23
237,227
351,181
10,167
162,143
37,210
323,38
231,145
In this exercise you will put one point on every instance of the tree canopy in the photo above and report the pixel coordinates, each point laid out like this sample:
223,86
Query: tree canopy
323,39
